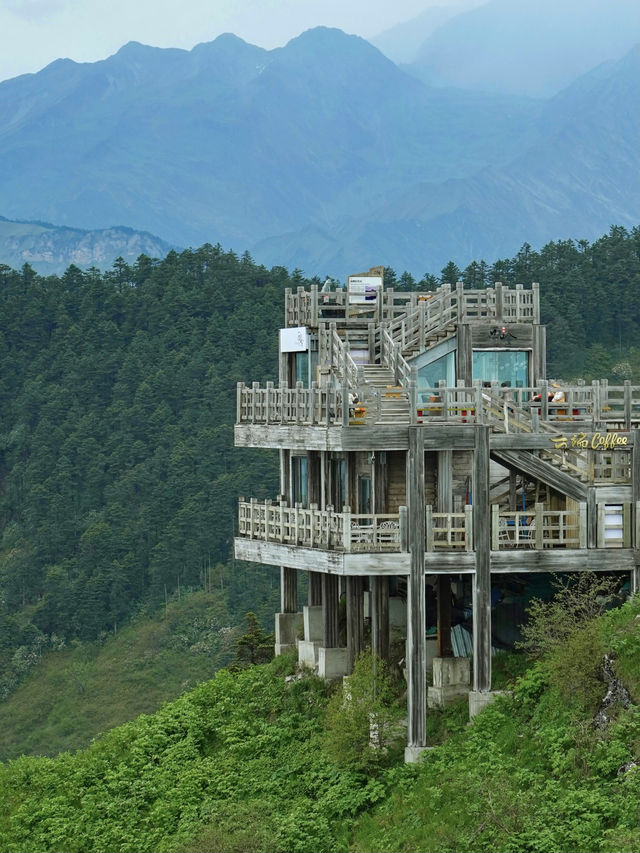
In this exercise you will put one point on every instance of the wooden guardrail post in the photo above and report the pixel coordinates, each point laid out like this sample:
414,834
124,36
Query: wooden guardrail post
346,528
539,531
428,527
468,527
495,527
600,541
627,404
404,530
582,525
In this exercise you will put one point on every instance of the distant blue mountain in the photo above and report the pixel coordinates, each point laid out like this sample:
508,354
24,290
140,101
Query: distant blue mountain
320,154
527,47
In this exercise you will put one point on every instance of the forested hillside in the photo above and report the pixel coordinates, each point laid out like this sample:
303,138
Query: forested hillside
252,761
118,479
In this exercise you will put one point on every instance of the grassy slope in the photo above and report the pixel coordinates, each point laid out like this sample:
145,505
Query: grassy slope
239,764
78,692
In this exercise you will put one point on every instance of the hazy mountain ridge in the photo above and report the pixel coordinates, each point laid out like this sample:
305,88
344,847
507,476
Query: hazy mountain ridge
51,249
315,155
533,47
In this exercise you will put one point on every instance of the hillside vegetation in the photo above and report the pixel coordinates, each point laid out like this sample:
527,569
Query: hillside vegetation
79,690
244,763
118,478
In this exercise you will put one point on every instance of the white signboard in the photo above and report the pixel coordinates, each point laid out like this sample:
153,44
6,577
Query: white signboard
363,288
294,340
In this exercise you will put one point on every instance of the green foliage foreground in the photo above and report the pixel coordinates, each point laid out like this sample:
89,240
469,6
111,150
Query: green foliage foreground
241,764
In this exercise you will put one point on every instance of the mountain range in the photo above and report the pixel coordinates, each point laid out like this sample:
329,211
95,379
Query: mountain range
51,249
321,155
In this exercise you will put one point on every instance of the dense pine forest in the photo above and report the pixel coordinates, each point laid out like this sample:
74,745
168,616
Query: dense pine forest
118,479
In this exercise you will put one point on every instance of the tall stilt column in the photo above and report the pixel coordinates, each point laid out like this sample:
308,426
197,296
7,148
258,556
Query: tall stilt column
315,589
416,621
443,590
288,620
380,616
482,577
635,510
332,660
355,620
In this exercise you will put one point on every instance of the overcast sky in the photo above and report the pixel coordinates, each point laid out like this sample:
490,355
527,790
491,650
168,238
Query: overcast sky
35,32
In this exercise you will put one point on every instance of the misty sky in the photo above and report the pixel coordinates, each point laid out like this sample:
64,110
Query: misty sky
35,32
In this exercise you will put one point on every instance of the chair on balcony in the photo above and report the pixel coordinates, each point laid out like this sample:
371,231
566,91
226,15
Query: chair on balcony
503,530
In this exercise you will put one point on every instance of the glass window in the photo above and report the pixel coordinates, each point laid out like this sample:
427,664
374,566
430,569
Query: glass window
302,368
442,368
300,479
511,366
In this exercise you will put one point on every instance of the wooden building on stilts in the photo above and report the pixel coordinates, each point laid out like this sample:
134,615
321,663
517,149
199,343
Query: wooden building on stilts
425,460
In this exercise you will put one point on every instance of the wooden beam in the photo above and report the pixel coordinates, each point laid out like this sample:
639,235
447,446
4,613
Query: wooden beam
355,620
330,611
416,611
314,589
379,592
482,577
288,590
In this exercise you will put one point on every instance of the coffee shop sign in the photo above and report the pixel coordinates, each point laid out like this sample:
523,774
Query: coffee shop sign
595,441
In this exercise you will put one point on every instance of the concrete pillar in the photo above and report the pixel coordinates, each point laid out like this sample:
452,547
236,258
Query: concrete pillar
416,621
308,647
482,576
287,626
451,679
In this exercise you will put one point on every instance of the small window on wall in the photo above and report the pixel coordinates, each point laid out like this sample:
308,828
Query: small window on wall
364,494
511,366
300,480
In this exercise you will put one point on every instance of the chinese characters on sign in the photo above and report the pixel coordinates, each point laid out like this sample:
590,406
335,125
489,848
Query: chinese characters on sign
595,441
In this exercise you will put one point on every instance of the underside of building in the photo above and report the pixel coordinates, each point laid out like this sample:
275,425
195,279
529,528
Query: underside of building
431,477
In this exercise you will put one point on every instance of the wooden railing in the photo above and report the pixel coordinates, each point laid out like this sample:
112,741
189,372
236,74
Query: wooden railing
425,310
334,354
315,528
540,528
350,532
285,405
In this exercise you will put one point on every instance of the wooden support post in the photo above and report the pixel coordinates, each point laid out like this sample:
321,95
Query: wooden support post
355,620
314,589
592,519
416,611
288,590
482,577
330,611
379,600
443,617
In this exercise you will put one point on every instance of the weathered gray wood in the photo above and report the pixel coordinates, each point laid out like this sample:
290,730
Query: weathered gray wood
482,577
330,611
288,590
541,470
592,518
314,589
416,612
465,354
355,619
443,617
538,366
379,592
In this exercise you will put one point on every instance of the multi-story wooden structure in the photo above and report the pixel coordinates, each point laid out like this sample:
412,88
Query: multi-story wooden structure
459,462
